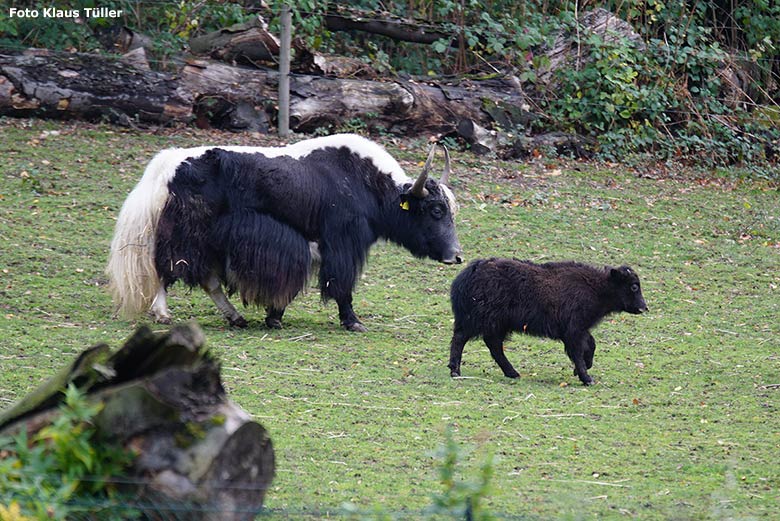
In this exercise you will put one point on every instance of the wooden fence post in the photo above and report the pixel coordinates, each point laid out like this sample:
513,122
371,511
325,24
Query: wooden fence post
284,72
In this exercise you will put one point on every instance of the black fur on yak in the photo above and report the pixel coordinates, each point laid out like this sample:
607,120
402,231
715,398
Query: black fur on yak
560,300
254,220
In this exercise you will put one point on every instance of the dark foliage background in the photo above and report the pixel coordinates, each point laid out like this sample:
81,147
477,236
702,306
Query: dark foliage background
701,83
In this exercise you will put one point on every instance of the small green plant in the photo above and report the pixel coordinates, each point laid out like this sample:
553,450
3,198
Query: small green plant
52,473
463,499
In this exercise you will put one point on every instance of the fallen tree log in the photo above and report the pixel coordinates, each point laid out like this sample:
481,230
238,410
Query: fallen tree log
162,396
241,98
401,106
250,42
88,86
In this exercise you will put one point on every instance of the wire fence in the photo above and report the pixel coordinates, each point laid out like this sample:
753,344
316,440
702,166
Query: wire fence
124,506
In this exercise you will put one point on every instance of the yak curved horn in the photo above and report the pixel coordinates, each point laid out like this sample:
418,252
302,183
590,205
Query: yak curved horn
445,176
418,188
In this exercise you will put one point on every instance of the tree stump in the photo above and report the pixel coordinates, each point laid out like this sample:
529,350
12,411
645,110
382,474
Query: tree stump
163,398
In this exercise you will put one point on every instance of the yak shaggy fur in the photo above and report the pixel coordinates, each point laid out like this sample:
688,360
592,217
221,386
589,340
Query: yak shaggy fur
491,298
249,219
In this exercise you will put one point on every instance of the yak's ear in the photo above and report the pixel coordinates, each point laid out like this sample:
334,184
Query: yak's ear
621,273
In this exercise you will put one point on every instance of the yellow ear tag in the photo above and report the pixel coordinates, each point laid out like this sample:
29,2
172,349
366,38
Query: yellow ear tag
405,205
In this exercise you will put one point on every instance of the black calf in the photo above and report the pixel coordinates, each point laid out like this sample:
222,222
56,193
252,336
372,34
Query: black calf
493,297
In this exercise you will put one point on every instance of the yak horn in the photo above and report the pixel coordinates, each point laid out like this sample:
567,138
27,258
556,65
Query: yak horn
445,176
418,188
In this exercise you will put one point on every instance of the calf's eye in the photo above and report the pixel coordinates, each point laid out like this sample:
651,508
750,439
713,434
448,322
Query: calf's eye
634,287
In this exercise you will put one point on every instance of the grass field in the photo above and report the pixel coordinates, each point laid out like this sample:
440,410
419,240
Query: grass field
683,421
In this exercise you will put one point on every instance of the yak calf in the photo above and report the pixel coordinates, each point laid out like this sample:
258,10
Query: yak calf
560,300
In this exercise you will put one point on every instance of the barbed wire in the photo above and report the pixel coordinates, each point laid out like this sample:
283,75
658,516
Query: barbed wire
88,507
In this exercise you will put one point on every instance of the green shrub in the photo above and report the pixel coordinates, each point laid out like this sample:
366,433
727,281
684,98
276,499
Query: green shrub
62,469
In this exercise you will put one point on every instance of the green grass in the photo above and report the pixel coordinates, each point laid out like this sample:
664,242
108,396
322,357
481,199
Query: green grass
682,424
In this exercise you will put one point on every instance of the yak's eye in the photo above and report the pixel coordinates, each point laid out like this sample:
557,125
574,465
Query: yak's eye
634,288
437,212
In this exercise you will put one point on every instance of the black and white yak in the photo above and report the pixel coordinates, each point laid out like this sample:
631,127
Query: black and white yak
254,220
560,300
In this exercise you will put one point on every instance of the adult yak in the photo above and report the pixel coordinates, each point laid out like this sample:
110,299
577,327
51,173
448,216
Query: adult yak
253,220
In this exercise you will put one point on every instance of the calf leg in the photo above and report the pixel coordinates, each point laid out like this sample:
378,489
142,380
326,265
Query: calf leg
590,351
456,352
576,345
273,318
213,287
496,345
159,307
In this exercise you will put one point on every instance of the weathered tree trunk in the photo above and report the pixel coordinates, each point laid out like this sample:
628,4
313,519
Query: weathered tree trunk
392,28
399,106
162,396
90,87
232,97
570,50
249,42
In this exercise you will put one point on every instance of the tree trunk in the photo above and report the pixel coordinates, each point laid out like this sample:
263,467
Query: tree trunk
249,42
162,395
402,106
241,98
392,28
87,86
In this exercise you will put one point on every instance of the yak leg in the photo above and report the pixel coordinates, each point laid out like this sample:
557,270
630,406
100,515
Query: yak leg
343,252
576,346
273,317
159,307
213,287
496,345
347,315
456,352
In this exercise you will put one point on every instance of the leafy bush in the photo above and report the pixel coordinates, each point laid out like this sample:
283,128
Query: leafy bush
669,99
62,469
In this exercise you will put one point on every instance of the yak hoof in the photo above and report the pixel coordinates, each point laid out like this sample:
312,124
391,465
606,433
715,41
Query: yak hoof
357,327
273,323
239,321
513,374
454,373
160,318
587,380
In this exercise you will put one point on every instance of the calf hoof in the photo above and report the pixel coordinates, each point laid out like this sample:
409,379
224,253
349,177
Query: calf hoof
273,323
454,372
587,380
239,321
357,327
512,374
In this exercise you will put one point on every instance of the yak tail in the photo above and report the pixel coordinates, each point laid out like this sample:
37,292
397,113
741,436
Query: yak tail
133,278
